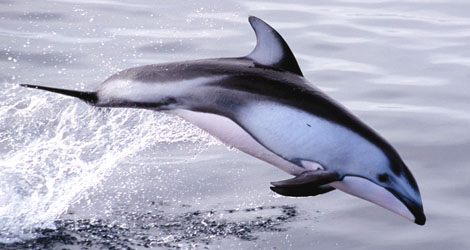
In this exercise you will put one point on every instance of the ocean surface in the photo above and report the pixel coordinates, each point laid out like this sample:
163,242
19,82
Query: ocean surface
77,177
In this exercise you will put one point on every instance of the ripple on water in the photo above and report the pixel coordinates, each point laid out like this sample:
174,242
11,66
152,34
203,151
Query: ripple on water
160,229
32,16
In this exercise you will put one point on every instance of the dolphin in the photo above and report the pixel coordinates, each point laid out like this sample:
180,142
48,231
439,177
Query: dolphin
262,105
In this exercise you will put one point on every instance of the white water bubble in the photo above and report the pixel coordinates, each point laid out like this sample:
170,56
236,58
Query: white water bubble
60,148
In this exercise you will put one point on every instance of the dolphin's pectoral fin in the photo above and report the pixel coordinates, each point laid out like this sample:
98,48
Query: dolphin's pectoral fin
309,183
303,190
316,177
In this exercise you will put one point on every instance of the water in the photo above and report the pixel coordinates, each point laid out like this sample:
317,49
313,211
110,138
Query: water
73,176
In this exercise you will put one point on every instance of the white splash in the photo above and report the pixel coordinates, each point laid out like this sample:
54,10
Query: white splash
52,149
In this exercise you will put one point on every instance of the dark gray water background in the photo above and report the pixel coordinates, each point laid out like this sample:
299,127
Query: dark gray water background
73,176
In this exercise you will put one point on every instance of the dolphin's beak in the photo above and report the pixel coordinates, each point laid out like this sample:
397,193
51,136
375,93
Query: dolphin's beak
414,206
387,198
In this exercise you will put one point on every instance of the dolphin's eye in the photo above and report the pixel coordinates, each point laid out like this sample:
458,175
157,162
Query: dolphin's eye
383,177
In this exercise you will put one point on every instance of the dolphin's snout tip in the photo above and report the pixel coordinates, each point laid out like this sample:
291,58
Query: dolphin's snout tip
418,213
420,219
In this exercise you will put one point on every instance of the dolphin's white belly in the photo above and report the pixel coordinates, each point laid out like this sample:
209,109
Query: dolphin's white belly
232,134
296,135
285,135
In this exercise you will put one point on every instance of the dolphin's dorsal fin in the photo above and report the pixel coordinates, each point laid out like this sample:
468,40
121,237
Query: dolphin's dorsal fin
271,49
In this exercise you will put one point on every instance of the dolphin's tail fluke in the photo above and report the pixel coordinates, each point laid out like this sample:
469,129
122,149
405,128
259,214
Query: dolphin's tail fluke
88,97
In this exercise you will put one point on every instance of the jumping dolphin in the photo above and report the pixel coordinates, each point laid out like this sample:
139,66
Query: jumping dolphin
262,105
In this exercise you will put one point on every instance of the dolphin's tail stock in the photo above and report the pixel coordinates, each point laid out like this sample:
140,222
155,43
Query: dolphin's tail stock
86,96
